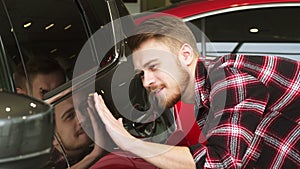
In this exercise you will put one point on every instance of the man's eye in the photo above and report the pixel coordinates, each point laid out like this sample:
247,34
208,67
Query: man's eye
152,67
141,75
43,91
70,116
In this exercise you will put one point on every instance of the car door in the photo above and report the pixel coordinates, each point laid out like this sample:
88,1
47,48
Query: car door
60,29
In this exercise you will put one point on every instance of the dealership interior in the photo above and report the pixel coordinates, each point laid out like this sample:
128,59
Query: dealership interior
136,6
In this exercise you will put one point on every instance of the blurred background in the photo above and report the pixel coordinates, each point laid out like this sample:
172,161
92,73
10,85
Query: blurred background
136,6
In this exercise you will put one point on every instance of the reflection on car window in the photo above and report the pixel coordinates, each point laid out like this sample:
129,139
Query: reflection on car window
4,76
257,31
43,31
48,28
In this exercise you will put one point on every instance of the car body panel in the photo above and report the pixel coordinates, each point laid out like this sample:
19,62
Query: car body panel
195,7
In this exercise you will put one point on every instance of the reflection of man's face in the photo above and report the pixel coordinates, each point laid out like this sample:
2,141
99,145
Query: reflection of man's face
161,72
43,83
68,127
96,131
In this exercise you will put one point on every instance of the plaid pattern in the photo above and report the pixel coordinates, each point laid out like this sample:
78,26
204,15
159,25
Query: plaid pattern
249,109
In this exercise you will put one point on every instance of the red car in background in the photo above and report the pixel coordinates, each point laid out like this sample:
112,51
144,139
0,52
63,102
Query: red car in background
267,27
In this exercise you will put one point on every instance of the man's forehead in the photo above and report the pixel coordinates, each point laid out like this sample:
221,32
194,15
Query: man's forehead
144,56
68,101
64,106
46,79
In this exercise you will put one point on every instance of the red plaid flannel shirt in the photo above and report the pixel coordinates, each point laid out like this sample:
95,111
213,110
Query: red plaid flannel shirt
249,109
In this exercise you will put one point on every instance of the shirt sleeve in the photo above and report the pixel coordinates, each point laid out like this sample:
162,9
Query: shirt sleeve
121,160
237,102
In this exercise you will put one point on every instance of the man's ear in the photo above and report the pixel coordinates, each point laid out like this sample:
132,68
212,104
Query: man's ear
21,91
186,54
55,143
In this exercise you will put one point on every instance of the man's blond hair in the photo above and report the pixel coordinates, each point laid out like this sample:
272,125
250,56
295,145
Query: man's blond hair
169,30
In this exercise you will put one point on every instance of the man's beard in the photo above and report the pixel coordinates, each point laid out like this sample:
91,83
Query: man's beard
79,147
170,101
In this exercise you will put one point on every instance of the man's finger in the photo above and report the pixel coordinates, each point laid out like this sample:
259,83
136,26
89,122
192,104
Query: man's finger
102,110
92,117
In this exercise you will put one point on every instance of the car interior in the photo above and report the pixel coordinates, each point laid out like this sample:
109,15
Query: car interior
88,39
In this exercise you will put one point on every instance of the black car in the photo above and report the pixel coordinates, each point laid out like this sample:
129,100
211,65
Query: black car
88,38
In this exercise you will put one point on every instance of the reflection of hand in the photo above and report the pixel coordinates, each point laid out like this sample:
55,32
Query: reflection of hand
114,127
99,141
98,134
58,96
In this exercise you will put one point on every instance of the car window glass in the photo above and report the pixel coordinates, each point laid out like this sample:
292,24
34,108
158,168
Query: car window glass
46,29
272,31
49,28
7,40
4,77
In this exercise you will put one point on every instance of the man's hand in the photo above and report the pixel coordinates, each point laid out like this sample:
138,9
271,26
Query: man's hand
160,155
114,127
99,140
58,96
98,133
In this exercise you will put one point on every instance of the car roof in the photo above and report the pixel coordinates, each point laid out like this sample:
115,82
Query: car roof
193,7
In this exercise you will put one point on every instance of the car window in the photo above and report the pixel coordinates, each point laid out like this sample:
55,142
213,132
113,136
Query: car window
5,79
44,29
270,31
6,38
56,29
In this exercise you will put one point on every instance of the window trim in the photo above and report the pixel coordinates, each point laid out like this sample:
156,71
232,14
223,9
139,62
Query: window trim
8,83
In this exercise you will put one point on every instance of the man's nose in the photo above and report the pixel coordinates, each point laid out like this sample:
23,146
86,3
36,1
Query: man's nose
148,79
78,122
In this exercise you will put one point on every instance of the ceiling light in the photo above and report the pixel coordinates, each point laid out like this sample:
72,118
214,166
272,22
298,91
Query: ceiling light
122,84
72,56
33,105
253,30
53,50
49,26
26,25
67,27
7,109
